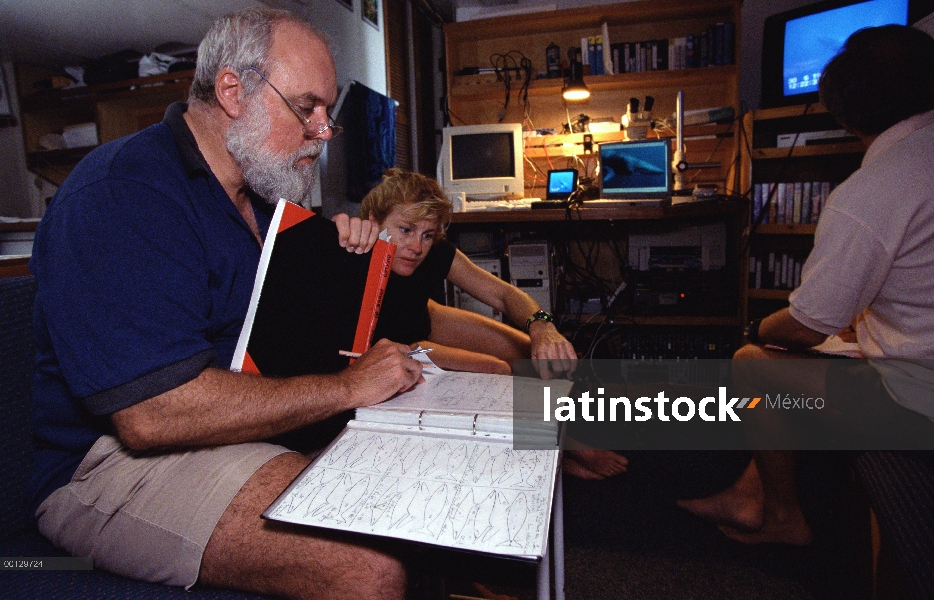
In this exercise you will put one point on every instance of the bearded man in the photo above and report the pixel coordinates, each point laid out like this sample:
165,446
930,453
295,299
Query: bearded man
150,454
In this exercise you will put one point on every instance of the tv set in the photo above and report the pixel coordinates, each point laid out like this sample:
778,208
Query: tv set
561,184
798,44
484,162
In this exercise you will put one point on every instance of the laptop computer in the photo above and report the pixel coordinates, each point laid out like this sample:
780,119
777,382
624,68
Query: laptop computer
634,173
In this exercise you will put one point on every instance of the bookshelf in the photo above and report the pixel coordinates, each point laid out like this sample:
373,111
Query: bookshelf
781,238
116,108
479,97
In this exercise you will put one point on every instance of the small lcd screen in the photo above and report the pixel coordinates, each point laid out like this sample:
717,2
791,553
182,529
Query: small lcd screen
813,40
482,156
561,184
634,168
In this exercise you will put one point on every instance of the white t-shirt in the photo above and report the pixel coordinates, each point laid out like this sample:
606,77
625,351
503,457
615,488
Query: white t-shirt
873,261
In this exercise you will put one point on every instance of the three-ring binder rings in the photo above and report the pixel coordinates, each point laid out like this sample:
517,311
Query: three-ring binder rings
435,465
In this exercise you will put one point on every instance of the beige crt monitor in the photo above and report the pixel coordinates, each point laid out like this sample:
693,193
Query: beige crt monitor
484,162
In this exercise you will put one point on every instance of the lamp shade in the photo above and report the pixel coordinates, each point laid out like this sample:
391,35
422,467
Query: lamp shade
575,90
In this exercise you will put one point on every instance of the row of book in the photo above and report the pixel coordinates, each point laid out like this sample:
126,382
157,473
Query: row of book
713,46
775,270
798,202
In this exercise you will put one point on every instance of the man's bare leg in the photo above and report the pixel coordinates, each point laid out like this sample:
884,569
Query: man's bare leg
739,507
762,506
783,520
249,553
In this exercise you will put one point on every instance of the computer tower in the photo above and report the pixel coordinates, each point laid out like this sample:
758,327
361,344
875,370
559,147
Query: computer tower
530,270
462,299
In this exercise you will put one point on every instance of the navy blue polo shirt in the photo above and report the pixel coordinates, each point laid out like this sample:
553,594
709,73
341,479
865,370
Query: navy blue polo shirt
145,270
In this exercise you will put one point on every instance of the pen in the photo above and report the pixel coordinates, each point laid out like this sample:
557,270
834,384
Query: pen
410,353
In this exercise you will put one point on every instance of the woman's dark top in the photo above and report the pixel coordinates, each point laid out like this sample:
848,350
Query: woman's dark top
403,317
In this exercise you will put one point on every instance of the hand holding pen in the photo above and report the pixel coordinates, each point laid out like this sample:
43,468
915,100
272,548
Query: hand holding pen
410,353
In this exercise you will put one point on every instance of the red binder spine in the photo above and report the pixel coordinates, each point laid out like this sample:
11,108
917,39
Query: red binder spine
376,280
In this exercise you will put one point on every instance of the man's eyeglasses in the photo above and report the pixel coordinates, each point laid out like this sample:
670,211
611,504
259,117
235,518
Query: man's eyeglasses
312,128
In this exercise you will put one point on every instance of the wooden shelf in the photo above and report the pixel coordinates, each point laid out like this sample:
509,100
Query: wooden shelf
55,165
589,17
476,87
786,229
18,226
116,108
688,321
14,266
686,210
53,99
801,151
785,112
758,294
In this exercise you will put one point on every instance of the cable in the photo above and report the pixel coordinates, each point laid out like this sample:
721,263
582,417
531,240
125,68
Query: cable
504,65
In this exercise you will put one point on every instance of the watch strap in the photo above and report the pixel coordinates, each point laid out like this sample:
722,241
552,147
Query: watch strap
540,315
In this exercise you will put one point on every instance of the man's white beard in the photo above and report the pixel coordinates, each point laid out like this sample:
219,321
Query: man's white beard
271,176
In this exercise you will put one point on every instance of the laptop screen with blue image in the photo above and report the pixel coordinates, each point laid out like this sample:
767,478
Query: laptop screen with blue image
635,170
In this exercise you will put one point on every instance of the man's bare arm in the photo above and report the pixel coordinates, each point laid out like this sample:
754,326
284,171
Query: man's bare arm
782,329
221,407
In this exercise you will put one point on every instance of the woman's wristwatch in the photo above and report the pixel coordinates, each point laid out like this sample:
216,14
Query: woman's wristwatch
541,315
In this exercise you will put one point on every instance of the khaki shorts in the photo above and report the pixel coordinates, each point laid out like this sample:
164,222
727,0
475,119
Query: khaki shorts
148,515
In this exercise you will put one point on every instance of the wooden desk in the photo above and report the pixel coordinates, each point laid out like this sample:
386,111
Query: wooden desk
676,211
591,245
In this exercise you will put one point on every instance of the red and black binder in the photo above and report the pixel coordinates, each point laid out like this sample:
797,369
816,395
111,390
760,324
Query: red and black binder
311,298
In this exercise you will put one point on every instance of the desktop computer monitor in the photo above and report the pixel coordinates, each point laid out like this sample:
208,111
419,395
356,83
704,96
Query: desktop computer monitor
482,161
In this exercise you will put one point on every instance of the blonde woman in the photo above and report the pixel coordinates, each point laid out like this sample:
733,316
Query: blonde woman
416,212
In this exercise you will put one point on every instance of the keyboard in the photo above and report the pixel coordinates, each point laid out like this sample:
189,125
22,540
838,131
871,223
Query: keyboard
483,205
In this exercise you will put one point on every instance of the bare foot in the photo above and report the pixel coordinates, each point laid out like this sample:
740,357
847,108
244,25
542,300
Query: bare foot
488,594
791,529
739,507
571,467
594,464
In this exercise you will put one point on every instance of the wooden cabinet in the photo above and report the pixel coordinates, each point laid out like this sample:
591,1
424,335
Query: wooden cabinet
784,173
480,97
116,109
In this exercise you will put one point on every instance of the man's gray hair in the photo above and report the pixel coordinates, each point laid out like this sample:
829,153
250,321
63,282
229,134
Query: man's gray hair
237,41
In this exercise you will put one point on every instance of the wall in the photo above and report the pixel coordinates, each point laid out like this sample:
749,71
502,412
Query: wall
19,196
359,54
754,13
359,49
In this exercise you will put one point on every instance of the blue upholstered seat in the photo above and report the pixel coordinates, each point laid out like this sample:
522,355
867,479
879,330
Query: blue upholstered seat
17,537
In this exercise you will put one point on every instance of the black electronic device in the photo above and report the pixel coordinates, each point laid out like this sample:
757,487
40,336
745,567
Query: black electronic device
798,44
561,184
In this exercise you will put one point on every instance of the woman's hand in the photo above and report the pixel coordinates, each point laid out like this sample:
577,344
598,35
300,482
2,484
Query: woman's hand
355,234
552,353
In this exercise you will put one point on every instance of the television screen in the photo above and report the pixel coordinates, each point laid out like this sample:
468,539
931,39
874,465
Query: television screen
812,40
798,44
482,155
561,183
